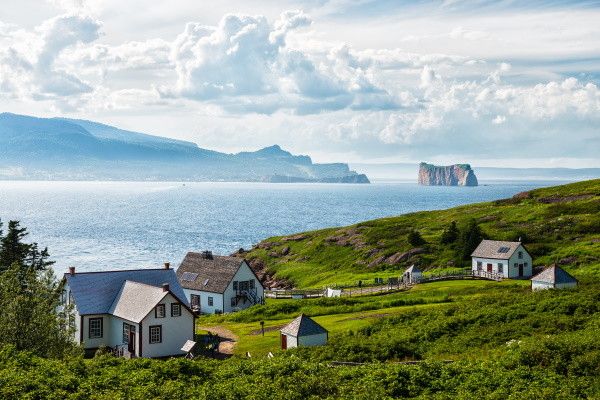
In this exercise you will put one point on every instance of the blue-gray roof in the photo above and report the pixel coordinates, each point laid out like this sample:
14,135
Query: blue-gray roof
554,274
94,292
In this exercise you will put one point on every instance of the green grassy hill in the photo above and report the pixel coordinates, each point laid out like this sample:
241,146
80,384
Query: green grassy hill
557,224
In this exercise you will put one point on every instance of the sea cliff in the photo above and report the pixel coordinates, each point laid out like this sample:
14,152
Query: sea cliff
451,175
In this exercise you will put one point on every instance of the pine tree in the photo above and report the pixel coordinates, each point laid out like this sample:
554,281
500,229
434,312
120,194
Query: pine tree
13,249
415,238
470,238
450,235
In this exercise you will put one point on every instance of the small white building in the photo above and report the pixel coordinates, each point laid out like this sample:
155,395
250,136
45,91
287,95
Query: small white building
219,284
303,332
138,313
412,275
553,277
508,259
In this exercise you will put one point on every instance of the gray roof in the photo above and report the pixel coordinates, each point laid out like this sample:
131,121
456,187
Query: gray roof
412,269
127,304
303,326
208,274
95,292
554,275
496,249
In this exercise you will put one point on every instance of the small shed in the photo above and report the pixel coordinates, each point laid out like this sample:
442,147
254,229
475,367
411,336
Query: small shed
412,275
303,332
553,277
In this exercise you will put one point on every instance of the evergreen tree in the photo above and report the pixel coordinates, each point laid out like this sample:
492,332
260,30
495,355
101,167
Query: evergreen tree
470,238
29,319
450,234
14,250
31,316
415,238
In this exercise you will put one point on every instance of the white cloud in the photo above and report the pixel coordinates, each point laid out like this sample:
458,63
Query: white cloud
324,84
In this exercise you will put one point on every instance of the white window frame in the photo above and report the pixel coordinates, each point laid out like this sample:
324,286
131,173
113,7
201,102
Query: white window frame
211,301
175,306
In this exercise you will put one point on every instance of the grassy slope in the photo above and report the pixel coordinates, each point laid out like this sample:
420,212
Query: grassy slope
556,223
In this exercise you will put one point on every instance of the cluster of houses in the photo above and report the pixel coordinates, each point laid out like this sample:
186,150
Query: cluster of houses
152,312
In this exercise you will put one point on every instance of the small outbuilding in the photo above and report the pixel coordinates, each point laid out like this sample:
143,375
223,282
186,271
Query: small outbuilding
553,277
412,275
303,332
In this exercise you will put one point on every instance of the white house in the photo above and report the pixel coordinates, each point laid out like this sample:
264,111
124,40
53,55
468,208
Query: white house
219,284
302,332
553,277
412,275
140,313
509,259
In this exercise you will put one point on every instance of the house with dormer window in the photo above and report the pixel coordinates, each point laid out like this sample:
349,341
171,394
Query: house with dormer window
219,284
136,313
508,259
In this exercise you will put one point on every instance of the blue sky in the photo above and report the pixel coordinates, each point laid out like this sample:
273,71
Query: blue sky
502,83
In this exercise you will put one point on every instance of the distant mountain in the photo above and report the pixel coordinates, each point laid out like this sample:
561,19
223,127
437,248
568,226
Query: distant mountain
61,148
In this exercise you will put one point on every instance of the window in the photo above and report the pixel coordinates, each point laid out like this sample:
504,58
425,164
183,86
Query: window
500,268
159,311
516,265
210,301
126,330
235,285
525,264
195,300
479,265
252,284
175,310
71,297
233,302
155,334
95,330
520,254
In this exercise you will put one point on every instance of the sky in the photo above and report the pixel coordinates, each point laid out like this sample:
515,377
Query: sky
492,83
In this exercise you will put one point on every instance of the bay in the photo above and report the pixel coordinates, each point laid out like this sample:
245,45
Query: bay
120,225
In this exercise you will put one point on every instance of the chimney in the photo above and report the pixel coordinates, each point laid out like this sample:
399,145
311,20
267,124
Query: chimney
165,287
167,265
72,271
207,254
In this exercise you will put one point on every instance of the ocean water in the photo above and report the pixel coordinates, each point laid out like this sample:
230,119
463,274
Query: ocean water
119,225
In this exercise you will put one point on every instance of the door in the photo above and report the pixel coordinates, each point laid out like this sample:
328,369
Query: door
520,269
283,342
489,268
131,344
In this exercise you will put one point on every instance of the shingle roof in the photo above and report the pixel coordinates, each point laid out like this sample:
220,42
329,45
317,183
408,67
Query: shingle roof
303,326
495,249
127,304
554,275
412,269
213,274
94,292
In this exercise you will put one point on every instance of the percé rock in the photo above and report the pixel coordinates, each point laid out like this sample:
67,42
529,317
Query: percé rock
451,175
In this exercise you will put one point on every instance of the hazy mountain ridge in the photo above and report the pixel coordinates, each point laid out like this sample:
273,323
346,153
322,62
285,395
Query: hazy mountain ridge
60,148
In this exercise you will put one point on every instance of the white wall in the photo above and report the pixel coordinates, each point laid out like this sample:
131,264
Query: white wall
175,331
292,341
116,333
204,307
494,262
514,271
243,274
106,331
538,285
313,340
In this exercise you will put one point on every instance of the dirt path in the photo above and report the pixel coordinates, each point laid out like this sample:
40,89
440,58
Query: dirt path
228,339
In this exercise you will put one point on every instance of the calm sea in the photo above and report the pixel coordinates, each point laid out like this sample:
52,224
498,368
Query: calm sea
118,225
